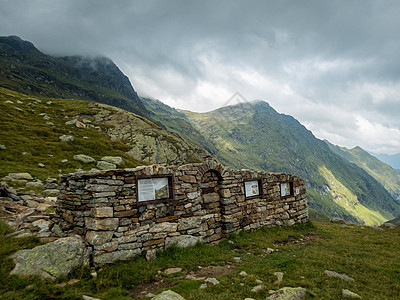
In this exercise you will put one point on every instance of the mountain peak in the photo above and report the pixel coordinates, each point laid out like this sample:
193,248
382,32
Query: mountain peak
16,44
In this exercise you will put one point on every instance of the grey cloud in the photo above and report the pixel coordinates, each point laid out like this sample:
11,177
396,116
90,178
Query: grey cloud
324,52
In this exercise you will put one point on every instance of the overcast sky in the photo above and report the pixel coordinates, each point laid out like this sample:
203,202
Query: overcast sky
333,65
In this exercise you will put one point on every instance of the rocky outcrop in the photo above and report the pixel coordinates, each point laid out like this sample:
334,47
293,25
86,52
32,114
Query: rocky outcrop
53,259
288,293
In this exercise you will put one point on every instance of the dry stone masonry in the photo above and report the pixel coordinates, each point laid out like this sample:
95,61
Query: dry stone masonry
125,212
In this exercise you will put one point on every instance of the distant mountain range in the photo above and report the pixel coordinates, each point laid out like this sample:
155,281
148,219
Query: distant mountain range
253,135
382,172
248,135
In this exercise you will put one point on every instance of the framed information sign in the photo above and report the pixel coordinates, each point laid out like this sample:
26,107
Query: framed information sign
286,189
252,188
154,188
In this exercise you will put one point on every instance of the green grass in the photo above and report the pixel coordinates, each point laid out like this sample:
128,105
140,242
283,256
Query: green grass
371,257
41,142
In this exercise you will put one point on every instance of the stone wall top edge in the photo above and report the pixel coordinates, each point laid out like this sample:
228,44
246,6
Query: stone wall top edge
155,168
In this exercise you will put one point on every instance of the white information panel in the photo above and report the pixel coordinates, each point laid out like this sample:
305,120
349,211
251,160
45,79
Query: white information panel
153,189
251,188
285,189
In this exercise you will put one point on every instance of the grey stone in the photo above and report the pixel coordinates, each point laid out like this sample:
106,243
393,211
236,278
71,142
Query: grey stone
53,259
84,158
3,147
64,161
189,223
289,293
34,183
182,241
84,297
151,254
40,165
211,281
102,212
116,160
43,225
350,294
66,138
101,224
243,273
46,118
80,124
103,165
163,227
337,275
168,295
98,238
279,277
18,176
71,122
49,123
111,257
257,288
170,271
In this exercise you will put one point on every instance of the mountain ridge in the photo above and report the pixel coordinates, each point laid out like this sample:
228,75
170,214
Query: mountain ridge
27,70
254,135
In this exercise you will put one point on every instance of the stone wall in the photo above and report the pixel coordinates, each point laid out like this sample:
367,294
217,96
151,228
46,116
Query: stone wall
206,202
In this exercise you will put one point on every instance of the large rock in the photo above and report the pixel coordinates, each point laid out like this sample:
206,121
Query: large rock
289,293
84,158
168,295
66,138
53,259
104,165
116,160
19,176
182,241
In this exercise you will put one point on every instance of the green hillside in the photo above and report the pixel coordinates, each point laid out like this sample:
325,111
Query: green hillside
383,173
25,69
31,127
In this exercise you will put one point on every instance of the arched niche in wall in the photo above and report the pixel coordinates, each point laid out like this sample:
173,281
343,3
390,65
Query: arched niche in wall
209,187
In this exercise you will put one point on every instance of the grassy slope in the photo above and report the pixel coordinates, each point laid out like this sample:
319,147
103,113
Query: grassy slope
383,173
255,136
369,256
26,131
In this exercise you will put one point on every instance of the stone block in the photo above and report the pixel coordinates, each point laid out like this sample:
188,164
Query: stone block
211,197
189,223
102,212
101,224
188,178
163,227
97,238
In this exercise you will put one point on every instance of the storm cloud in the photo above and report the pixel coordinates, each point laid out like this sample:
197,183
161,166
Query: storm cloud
333,65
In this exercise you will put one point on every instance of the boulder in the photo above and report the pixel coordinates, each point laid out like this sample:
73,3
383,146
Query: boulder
66,138
3,147
337,275
84,158
53,259
103,165
288,293
168,295
71,122
116,160
350,294
21,176
182,241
